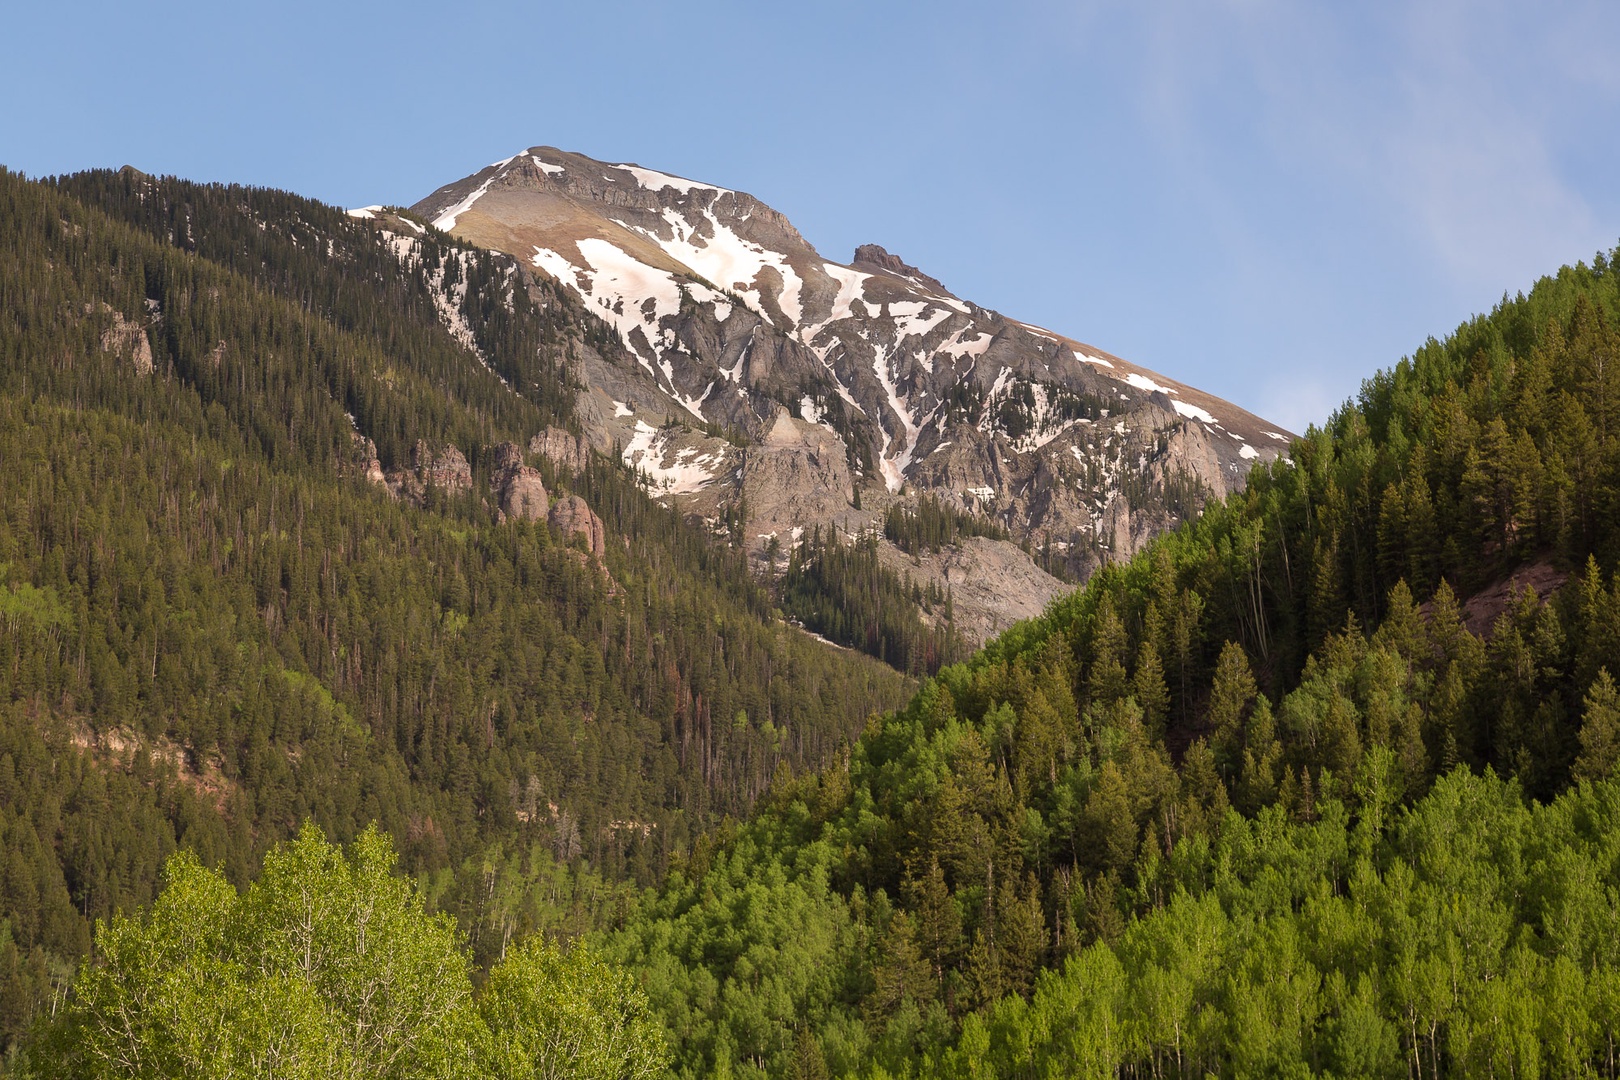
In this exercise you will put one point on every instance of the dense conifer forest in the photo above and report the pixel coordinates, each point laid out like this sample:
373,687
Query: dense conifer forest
1324,783
1305,788
213,628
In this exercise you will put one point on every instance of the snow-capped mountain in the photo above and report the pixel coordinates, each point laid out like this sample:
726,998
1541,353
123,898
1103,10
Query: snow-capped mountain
817,392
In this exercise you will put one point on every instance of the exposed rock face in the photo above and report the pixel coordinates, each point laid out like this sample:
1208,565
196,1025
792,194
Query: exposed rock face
796,477
518,489
571,516
127,338
874,256
569,453
370,467
993,584
750,365
445,470
507,457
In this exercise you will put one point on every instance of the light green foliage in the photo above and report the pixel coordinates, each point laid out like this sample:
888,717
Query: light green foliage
1474,952
555,1014
738,960
25,605
327,966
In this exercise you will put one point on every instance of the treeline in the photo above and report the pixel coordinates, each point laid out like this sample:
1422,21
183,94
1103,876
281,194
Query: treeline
929,525
212,628
843,591
1263,737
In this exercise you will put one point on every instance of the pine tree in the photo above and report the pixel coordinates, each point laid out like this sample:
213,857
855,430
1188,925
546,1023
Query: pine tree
1262,761
1109,825
1600,731
938,920
1229,699
1107,681
1422,547
1148,686
1392,538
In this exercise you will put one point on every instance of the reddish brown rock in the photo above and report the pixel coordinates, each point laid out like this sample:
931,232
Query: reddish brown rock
518,489
446,470
571,516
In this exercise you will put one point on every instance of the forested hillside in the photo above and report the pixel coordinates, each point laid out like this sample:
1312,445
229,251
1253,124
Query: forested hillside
1324,783
213,627
1302,788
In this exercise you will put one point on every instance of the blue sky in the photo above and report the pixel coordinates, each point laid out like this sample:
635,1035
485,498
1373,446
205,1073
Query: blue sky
1266,199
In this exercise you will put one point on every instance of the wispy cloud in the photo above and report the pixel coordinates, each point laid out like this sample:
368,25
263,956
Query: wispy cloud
1352,161
1441,118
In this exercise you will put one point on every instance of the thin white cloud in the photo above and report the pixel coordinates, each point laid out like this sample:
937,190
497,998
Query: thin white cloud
1441,141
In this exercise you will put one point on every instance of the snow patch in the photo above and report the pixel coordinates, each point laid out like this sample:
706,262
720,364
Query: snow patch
1192,412
619,289
684,471
691,404
1142,382
653,180
545,166
1247,452
728,260
365,211
958,349
705,295
621,409
851,285
894,466
1099,361
910,319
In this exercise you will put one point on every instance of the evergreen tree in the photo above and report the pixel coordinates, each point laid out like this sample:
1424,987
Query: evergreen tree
1600,731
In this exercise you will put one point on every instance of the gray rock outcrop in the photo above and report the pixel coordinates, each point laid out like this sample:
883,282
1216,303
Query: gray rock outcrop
368,466
445,468
796,477
569,453
128,338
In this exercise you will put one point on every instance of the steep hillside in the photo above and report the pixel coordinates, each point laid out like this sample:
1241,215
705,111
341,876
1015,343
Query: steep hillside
813,393
1257,802
284,537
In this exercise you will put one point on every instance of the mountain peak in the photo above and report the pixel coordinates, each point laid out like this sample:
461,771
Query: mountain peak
825,393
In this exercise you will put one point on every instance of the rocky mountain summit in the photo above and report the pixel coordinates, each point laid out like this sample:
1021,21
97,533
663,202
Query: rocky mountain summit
756,378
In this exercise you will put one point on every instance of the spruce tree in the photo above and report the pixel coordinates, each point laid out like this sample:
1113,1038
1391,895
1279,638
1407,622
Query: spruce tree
1600,731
